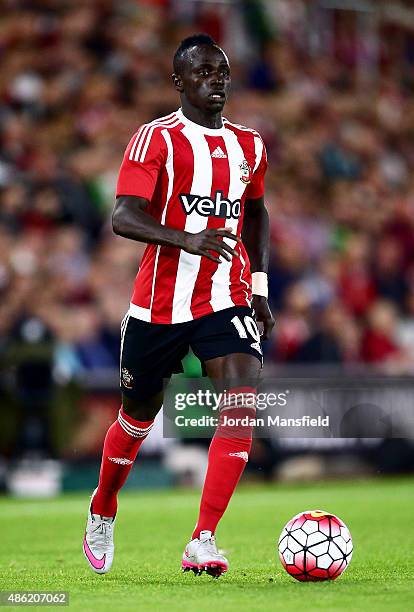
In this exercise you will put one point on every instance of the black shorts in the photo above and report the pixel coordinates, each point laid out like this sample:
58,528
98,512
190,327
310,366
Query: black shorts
152,352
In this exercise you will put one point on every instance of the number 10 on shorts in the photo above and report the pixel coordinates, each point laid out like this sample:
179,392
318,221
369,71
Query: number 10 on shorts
249,327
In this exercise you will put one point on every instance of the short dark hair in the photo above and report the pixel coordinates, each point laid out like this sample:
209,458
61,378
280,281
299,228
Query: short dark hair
196,40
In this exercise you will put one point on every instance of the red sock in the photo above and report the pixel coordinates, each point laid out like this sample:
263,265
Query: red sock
227,458
122,442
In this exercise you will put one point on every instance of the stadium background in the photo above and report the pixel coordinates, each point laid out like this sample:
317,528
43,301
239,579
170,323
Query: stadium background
329,86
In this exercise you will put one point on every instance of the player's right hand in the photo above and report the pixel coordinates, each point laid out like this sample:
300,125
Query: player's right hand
209,240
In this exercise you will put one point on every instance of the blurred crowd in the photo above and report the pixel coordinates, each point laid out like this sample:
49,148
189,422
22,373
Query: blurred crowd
79,77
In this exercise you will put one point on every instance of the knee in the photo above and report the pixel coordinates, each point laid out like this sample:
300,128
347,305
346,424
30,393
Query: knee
141,410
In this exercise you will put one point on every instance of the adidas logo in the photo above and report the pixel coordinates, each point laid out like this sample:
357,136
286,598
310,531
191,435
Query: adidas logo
219,153
243,455
120,460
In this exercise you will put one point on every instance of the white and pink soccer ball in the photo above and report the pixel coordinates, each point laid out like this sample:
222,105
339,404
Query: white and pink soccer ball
315,545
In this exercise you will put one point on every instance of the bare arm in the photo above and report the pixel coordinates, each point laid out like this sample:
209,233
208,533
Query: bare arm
130,220
255,234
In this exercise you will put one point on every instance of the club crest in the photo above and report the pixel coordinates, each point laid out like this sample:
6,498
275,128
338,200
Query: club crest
246,172
127,378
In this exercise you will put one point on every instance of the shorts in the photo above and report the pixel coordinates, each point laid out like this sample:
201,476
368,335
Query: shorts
152,352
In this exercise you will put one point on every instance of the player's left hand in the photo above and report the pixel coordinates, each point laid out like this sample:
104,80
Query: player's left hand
264,317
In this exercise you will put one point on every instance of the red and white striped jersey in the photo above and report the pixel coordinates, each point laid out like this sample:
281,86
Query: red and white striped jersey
195,178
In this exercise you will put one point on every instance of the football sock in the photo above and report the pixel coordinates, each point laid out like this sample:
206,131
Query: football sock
122,442
227,457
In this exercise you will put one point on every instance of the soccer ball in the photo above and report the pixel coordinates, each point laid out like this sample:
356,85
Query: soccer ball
315,545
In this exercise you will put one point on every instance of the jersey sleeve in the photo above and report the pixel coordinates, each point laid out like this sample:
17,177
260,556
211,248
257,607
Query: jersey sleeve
255,188
144,158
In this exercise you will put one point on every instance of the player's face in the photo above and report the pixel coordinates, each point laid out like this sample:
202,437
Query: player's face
206,79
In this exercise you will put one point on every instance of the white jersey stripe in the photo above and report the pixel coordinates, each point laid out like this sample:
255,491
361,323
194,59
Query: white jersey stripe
139,312
220,289
170,172
188,264
148,132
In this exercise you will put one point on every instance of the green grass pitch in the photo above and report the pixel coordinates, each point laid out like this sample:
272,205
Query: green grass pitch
40,549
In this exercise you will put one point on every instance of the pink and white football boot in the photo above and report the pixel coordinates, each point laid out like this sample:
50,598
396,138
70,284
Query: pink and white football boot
98,541
201,555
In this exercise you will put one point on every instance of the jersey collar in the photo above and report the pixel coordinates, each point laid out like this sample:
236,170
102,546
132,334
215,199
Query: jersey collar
200,128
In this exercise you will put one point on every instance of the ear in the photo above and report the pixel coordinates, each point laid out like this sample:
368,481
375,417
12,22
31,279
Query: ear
178,83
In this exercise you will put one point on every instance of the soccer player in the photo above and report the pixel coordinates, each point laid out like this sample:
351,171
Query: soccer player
191,187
